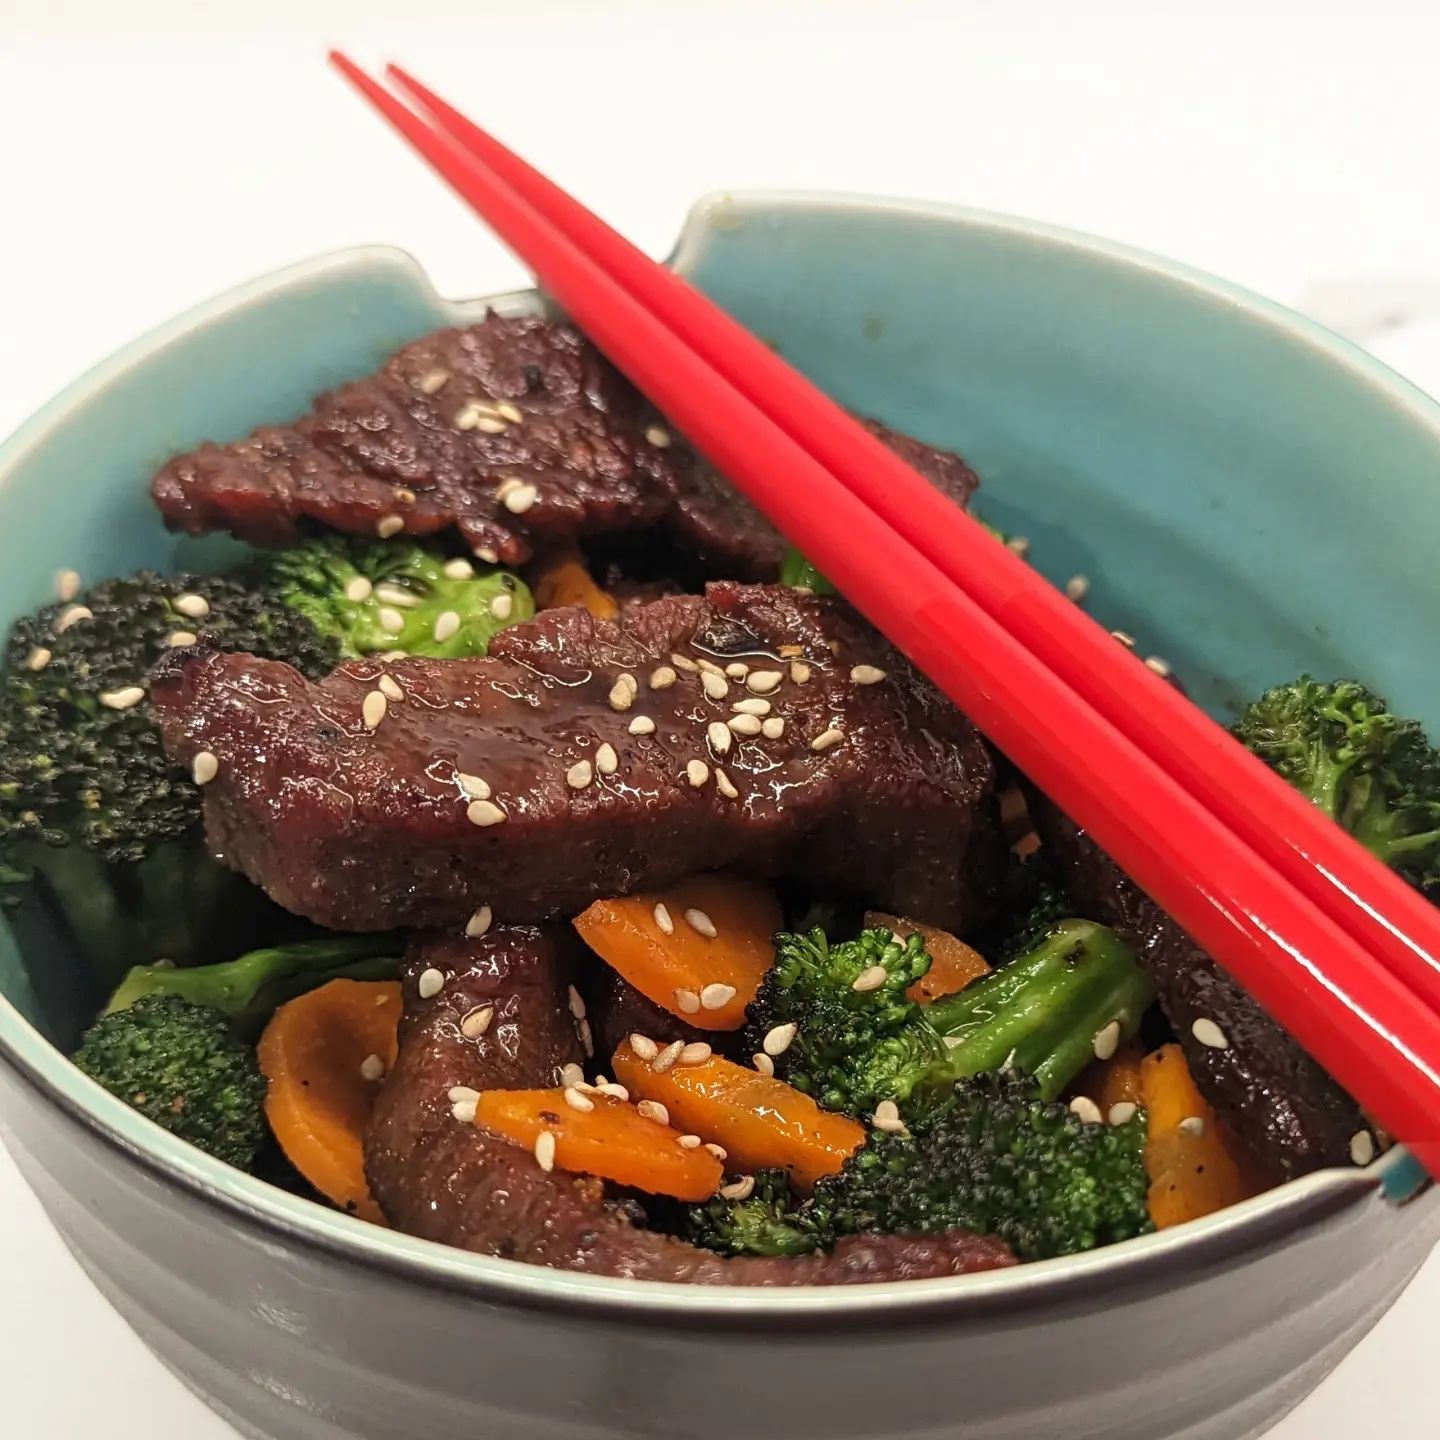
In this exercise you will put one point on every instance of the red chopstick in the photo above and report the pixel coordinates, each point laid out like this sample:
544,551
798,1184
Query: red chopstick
1348,1010
1386,915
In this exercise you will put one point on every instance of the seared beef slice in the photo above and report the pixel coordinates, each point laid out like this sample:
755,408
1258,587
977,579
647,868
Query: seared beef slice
513,431
440,1177
585,758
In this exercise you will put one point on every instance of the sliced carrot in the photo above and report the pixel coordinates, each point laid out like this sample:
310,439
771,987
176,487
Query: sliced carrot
563,579
1195,1166
761,1122
613,1141
314,1055
1115,1081
953,963
707,980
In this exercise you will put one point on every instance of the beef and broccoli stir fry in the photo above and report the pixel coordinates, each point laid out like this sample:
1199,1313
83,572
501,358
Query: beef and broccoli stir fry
522,850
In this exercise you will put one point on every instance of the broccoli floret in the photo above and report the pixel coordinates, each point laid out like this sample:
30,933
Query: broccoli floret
852,1047
181,1066
1372,772
249,989
768,1221
349,588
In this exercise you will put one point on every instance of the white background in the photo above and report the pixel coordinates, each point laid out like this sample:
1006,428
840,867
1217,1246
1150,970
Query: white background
152,153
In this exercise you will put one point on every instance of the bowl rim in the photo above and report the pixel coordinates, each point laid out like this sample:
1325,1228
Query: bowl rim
1254,1225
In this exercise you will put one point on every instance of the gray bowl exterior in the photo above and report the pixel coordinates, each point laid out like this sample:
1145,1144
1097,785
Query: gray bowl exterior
295,1341
1088,385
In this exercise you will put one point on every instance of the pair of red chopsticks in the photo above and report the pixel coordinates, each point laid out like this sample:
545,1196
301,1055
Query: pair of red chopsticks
1340,950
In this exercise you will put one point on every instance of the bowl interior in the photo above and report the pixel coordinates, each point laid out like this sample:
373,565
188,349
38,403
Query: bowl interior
1215,466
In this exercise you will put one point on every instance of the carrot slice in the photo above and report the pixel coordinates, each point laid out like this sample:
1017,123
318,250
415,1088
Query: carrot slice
563,579
707,980
954,964
612,1140
1115,1081
1195,1165
760,1121
314,1055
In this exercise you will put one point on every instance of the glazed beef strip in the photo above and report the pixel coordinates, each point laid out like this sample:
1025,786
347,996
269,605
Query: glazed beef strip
1277,1099
514,431
538,779
445,1180
616,1010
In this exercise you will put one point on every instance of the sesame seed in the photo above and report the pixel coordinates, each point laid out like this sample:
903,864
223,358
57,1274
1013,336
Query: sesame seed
177,638
459,569
719,736
197,607
490,425
697,772
572,1074
469,415
545,1150
658,436
1208,1033
473,785
1020,544
872,977
446,624
688,1142
579,775
577,1101
388,525
432,982
587,1039
510,412
684,662
799,672
479,922
1077,586
746,724
644,1047
667,1057
779,1039
653,1110
763,1063
887,1118
687,1002
1159,666
432,382
737,670
204,767
725,785
718,1151
1107,1040
716,687
701,923
460,1093
1124,637
642,725
38,658
1122,1111
764,682
358,589
663,922
464,1111
488,554
389,686
607,762
67,585
662,678
520,498
751,707
1192,1125
867,675
372,711
404,496
391,620
1086,1110
1362,1147
622,697
484,813
502,605
477,1021
716,996
827,738
697,1052
396,595
773,727
576,1002
126,698
372,1067
740,1190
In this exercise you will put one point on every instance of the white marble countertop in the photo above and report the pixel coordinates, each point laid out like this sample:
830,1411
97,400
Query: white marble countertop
155,152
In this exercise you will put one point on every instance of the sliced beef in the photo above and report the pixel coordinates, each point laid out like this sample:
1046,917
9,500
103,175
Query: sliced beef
445,1180
617,1009
875,785
1277,1099
513,431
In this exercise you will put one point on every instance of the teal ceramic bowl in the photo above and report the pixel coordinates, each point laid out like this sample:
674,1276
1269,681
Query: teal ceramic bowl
1229,477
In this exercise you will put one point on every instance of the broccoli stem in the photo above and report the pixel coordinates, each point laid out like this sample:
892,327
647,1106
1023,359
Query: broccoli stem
1040,1014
